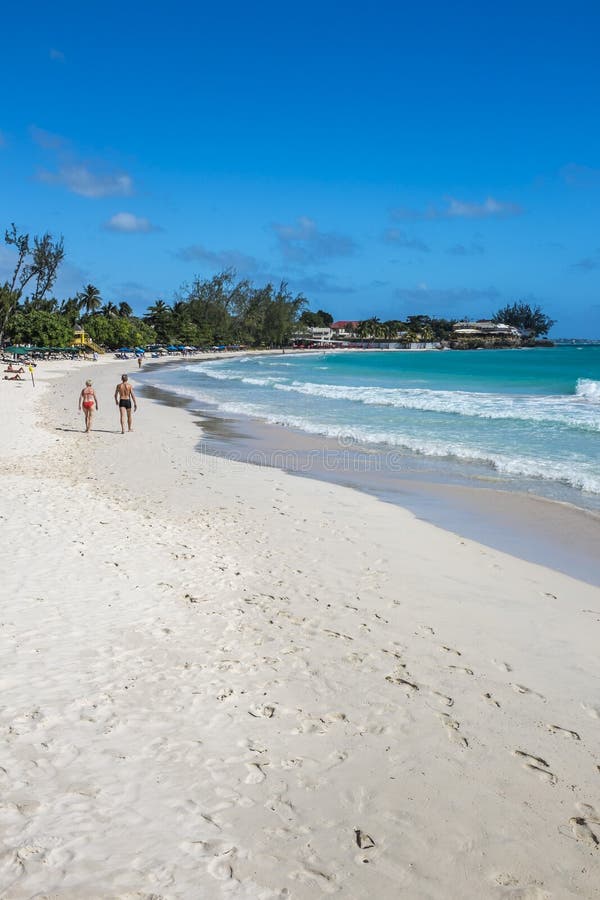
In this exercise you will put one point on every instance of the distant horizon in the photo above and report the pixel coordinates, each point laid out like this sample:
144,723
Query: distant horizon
395,158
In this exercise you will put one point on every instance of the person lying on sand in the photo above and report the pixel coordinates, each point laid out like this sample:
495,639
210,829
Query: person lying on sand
11,368
16,377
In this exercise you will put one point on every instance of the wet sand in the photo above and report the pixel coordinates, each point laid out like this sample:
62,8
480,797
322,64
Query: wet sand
558,535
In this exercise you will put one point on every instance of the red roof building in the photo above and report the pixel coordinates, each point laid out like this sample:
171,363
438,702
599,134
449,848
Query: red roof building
344,325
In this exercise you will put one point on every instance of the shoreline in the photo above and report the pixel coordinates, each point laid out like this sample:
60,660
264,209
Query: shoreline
223,682
549,532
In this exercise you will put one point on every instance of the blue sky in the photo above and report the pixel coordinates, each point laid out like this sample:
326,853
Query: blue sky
382,158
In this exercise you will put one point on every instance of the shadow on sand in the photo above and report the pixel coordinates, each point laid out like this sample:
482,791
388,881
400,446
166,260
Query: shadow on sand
82,431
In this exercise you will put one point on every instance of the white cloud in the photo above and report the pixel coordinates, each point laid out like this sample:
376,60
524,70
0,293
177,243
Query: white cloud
443,296
304,243
472,249
320,283
399,238
489,207
222,259
129,224
78,176
588,263
458,209
48,140
79,179
580,176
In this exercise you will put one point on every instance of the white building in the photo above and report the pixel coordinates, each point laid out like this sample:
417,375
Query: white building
313,335
485,328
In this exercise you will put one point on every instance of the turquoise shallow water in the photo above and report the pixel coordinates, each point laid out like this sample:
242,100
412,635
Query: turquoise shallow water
518,414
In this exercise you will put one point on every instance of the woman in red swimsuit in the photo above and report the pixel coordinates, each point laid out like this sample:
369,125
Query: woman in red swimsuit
88,400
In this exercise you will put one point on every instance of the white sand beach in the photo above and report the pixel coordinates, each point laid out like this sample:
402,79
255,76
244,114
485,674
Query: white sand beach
222,681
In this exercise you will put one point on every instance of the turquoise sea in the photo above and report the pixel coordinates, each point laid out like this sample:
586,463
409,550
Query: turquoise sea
528,416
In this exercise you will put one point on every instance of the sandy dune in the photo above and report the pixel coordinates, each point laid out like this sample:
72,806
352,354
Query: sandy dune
221,681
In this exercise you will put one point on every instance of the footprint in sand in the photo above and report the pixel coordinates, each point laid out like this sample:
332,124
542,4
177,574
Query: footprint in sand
491,700
463,669
410,686
220,869
520,892
581,825
593,711
224,693
537,765
255,775
337,634
451,650
363,840
264,712
313,874
396,655
442,698
565,732
453,731
503,666
220,857
521,689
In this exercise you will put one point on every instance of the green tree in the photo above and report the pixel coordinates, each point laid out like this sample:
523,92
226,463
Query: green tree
47,304
115,331
391,328
319,319
362,330
370,328
160,317
41,328
89,299
109,309
125,309
530,320
281,316
213,303
36,263
70,310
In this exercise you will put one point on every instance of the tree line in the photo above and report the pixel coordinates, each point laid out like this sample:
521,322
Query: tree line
205,312
530,320
218,310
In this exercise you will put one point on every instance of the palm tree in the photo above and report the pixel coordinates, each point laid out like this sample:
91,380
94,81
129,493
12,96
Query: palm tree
370,328
362,329
179,308
125,309
44,305
90,299
389,330
109,309
70,309
159,315
158,309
